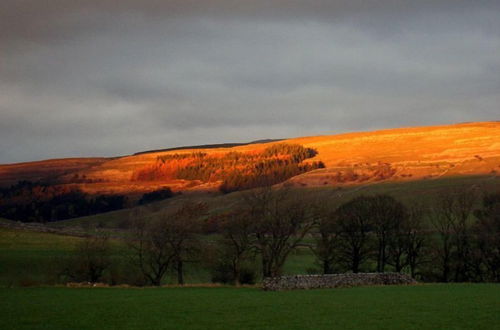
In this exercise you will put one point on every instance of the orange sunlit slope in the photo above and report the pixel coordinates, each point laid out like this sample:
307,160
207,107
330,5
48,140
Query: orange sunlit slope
354,158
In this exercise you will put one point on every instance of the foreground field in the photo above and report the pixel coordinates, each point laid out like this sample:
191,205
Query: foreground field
453,306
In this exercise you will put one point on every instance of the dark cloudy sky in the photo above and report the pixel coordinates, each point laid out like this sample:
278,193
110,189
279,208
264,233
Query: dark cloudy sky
112,77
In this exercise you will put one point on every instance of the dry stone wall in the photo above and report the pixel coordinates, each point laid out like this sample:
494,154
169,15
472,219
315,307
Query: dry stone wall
335,281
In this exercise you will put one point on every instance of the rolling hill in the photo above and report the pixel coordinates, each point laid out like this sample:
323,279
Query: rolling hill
394,155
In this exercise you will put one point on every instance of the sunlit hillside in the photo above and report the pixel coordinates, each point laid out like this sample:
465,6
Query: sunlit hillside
354,158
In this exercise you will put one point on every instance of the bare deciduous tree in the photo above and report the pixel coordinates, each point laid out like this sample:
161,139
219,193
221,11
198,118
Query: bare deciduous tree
281,222
167,240
416,237
408,241
152,253
387,216
326,238
487,237
182,229
354,227
92,258
450,217
238,241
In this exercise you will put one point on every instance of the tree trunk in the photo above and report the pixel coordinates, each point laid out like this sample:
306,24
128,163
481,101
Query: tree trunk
398,266
355,263
382,260
381,256
412,270
266,271
446,268
236,273
180,272
327,267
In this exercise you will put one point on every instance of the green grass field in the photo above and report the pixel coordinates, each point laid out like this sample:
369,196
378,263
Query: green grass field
28,258
31,258
437,306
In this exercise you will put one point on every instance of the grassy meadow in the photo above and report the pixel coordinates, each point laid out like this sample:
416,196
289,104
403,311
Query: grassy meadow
32,258
28,258
436,306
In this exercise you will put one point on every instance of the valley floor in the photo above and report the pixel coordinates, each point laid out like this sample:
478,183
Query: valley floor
433,306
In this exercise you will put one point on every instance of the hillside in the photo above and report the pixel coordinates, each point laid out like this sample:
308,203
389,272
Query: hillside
355,158
406,154
45,169
408,192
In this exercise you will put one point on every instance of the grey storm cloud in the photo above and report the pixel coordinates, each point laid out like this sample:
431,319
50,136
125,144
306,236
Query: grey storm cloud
109,77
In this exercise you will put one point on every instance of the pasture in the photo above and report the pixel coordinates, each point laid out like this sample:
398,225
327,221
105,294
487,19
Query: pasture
30,258
432,306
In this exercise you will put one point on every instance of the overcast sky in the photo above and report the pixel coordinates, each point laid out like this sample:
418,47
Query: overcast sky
113,77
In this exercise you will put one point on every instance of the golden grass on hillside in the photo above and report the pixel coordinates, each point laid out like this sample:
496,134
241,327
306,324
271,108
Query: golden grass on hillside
354,158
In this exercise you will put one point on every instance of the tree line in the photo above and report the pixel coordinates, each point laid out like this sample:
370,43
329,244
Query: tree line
453,239
62,206
37,202
236,170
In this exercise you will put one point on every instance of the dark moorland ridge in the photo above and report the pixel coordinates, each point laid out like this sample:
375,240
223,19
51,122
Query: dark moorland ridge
209,146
